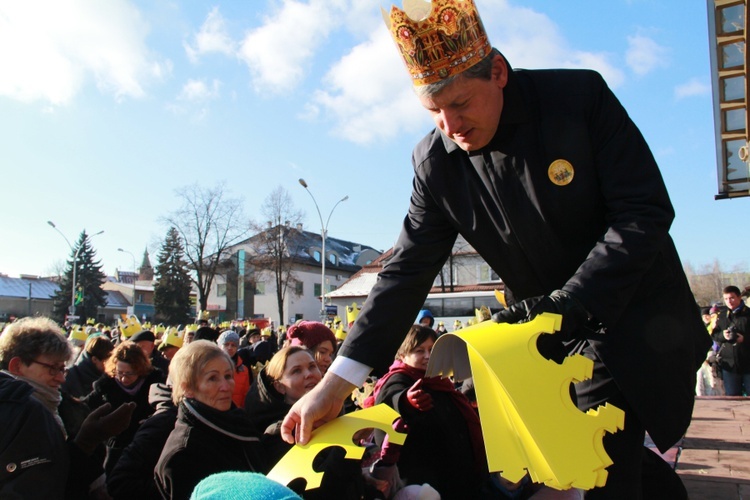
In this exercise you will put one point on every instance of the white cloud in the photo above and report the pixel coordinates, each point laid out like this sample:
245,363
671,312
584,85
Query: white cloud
369,95
644,54
279,52
691,88
50,57
199,90
212,37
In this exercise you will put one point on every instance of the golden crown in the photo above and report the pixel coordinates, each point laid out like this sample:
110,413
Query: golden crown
437,39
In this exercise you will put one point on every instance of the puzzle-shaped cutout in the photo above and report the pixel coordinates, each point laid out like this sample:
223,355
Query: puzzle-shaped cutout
528,420
298,461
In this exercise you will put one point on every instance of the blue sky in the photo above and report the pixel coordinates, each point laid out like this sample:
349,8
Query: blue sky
107,107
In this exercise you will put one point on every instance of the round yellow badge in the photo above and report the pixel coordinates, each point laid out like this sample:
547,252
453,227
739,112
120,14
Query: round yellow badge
561,172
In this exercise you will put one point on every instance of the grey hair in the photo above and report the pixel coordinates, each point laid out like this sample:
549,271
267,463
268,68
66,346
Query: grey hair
31,337
187,365
482,69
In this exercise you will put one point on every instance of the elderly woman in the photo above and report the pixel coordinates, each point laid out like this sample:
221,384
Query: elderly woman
229,341
210,435
128,377
318,338
34,449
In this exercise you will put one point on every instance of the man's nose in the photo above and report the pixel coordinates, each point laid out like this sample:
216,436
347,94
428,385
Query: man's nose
451,122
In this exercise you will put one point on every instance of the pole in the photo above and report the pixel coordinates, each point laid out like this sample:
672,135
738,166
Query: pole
72,308
323,234
134,274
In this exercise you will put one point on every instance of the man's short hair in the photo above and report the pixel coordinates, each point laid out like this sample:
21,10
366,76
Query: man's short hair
731,289
482,70
31,337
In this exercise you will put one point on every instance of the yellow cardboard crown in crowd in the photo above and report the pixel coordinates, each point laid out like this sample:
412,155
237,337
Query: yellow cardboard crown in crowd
352,312
129,327
437,39
171,337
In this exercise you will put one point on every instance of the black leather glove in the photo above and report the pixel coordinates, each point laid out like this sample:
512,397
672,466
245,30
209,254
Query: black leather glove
517,312
574,315
102,424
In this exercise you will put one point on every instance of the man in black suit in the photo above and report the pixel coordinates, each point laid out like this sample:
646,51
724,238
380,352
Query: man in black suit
546,176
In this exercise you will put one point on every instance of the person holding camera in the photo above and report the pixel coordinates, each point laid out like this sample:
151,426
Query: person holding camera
732,327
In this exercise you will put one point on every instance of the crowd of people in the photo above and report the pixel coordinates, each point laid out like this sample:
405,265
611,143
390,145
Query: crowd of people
101,420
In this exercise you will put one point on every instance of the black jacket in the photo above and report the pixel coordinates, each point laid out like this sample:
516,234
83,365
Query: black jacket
133,476
266,408
437,449
204,442
80,378
603,237
35,459
732,356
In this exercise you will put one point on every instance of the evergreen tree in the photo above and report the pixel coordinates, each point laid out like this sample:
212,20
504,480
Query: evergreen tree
172,290
88,282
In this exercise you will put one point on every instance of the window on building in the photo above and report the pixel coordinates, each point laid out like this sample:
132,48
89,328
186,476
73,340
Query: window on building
316,289
139,298
298,288
333,258
260,288
316,255
486,274
221,289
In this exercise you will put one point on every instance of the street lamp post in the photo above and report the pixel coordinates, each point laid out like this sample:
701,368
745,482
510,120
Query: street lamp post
134,274
72,308
323,233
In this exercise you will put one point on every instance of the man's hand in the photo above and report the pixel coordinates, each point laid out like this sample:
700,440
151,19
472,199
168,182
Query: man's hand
320,405
101,424
517,312
418,398
558,302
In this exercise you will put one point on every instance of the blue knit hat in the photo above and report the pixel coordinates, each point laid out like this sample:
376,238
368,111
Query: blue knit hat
228,336
241,486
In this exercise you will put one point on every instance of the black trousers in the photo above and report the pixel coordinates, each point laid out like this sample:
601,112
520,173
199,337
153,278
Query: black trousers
637,472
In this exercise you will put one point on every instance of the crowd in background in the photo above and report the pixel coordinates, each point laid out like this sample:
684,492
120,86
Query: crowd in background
100,412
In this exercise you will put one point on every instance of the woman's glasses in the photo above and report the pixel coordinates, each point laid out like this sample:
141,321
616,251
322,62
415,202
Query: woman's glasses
53,370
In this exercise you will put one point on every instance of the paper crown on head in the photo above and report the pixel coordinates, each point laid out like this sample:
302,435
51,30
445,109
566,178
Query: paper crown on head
191,328
437,39
130,327
352,312
171,338
78,334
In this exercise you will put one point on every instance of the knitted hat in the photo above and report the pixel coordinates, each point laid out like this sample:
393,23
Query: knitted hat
309,334
241,486
228,336
143,335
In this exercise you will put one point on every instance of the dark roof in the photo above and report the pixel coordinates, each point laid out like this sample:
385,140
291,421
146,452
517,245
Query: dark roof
300,241
19,287
116,299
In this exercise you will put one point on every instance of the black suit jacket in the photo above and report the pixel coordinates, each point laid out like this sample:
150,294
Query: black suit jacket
603,237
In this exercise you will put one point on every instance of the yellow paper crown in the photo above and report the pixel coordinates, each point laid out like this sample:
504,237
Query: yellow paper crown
437,39
130,327
171,338
352,312
191,328
77,333
90,321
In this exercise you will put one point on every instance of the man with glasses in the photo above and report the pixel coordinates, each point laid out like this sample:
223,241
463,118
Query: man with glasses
36,452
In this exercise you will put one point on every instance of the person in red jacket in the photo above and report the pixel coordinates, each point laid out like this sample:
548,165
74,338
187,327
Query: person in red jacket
229,341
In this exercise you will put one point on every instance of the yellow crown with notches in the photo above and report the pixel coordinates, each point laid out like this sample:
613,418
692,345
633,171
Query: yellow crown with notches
437,39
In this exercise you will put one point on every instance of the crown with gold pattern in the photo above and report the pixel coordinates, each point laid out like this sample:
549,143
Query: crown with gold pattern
437,39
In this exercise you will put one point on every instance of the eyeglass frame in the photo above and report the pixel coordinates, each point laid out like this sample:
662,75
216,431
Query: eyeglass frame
52,369
120,375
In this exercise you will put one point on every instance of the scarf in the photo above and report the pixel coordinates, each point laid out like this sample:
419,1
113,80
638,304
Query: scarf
49,398
133,389
444,385
233,423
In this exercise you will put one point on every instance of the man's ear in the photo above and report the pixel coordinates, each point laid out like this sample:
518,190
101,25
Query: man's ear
14,365
500,71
